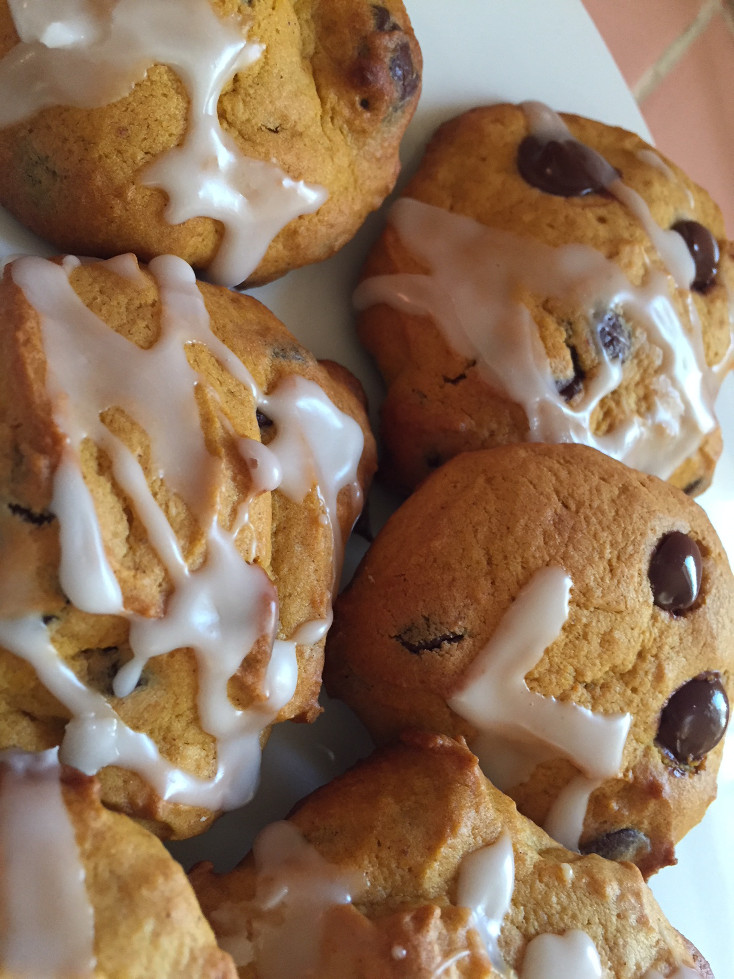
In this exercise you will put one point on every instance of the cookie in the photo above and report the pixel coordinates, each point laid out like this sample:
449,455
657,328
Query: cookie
88,892
549,278
413,865
569,616
178,477
247,138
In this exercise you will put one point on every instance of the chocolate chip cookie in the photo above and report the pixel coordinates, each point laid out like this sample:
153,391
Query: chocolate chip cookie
548,278
413,865
573,619
247,138
178,477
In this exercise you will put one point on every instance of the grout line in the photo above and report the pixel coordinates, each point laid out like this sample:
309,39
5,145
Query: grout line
672,55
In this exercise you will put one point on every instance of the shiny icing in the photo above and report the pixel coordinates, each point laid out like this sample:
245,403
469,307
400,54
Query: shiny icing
517,728
561,956
88,54
485,885
296,887
471,291
220,608
47,922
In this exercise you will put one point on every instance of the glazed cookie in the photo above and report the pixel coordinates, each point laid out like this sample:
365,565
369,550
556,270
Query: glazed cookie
247,138
548,278
178,476
413,865
87,892
573,619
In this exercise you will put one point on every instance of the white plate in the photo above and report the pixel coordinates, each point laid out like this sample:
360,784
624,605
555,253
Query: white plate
475,51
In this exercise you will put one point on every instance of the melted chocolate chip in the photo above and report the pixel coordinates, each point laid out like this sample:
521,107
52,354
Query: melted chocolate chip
403,72
675,572
614,336
694,719
382,19
428,645
37,518
565,167
569,389
704,251
621,844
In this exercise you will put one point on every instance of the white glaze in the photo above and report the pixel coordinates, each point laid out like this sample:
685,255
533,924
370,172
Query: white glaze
221,608
561,957
518,728
473,289
485,885
47,922
88,55
297,883
470,293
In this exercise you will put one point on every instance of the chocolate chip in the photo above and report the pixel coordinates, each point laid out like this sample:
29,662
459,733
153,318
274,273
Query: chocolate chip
675,572
614,336
569,389
704,251
565,167
403,72
35,517
382,19
262,420
428,645
694,719
621,844
694,487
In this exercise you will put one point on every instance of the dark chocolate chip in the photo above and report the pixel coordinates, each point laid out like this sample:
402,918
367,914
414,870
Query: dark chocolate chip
37,518
454,380
262,420
675,572
694,487
565,167
382,19
428,645
694,719
403,73
621,844
704,251
614,336
568,389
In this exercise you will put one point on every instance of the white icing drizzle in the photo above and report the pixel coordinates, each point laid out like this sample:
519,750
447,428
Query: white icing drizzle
470,293
87,55
565,820
485,885
519,728
561,956
471,290
47,923
224,606
301,886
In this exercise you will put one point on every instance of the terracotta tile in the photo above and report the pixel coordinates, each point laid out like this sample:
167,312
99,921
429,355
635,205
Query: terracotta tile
638,31
691,114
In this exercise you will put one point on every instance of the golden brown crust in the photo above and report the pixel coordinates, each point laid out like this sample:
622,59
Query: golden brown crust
280,531
436,403
405,818
328,101
439,577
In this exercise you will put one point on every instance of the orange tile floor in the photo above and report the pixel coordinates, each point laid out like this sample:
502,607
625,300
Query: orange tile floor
677,57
